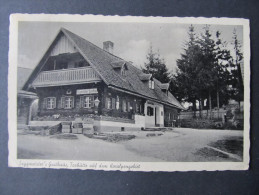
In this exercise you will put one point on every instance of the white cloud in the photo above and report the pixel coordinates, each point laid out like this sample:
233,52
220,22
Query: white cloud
170,60
136,51
24,61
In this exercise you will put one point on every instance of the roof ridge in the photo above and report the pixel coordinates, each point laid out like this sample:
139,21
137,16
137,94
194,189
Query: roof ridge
63,29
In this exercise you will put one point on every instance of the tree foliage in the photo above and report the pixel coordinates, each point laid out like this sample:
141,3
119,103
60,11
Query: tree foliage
206,69
236,75
156,66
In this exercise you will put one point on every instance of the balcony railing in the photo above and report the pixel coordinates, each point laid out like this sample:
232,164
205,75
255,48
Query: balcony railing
66,77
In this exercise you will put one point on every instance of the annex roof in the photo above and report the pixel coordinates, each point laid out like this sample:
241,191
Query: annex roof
105,63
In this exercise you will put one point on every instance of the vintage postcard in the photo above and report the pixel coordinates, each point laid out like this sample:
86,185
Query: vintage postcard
128,93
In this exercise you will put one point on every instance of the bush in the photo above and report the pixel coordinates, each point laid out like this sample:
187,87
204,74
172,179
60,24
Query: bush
55,129
198,123
235,125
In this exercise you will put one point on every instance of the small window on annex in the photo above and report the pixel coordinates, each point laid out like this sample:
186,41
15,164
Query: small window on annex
150,111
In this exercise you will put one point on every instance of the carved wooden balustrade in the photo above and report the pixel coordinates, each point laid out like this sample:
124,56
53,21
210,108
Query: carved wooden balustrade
66,77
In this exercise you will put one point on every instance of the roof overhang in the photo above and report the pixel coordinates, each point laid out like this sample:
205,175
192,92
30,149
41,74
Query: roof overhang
143,96
27,94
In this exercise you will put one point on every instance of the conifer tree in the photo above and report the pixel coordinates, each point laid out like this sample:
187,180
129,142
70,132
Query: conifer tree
156,66
237,80
186,79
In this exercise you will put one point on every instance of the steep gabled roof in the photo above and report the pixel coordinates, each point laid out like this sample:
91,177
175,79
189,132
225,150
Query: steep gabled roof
105,63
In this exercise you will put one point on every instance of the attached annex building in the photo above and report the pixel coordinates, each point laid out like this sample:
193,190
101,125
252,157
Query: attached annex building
77,79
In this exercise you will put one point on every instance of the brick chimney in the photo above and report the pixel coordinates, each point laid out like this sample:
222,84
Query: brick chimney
108,46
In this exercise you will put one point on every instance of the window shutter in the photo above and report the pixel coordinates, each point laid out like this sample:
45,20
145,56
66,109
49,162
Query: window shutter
62,102
54,102
91,101
118,103
44,103
106,103
59,103
73,102
128,106
81,102
113,103
124,106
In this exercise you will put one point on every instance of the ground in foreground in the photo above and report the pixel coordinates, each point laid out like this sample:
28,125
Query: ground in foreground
179,145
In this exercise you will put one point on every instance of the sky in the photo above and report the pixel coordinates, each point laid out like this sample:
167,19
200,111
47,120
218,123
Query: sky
131,40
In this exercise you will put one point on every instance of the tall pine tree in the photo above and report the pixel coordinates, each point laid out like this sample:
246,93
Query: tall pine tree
156,66
237,80
186,78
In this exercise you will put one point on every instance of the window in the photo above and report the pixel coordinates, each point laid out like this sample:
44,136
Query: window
151,84
118,103
68,102
150,111
124,106
113,103
129,107
137,108
108,103
87,101
49,103
123,70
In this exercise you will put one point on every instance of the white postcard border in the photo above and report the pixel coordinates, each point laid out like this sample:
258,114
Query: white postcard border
122,166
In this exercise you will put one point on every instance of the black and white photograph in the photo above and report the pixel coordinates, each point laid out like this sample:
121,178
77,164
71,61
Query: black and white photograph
129,93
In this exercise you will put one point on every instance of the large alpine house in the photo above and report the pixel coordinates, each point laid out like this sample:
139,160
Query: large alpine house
76,79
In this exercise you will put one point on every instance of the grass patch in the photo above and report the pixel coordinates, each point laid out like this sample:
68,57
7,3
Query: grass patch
111,137
208,152
65,136
25,154
233,145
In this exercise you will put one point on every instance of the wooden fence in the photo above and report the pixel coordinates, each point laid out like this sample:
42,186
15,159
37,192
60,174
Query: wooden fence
206,114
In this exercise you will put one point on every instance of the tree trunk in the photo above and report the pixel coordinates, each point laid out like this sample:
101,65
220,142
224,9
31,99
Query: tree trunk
210,103
194,108
218,102
200,107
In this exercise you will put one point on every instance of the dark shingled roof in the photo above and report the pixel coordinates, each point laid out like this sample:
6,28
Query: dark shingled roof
145,77
164,86
22,76
104,63
118,64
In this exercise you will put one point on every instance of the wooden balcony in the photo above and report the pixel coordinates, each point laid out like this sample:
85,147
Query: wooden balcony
66,77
